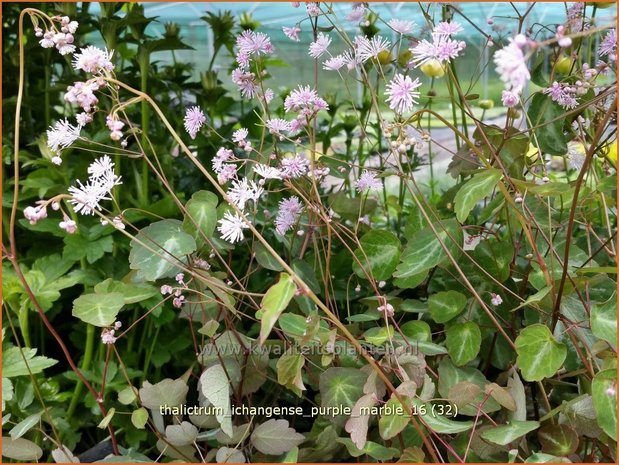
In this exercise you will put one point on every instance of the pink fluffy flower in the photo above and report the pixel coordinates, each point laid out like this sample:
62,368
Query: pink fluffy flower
356,14
511,65
402,93
245,81
448,29
194,120
368,182
288,214
370,48
254,43
509,98
292,32
608,46
319,46
442,48
304,98
294,167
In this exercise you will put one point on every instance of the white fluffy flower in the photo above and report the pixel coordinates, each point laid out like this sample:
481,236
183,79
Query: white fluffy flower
267,172
231,227
401,26
62,135
243,191
93,60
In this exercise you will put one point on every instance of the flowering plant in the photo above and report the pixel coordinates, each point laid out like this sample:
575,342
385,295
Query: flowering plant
265,273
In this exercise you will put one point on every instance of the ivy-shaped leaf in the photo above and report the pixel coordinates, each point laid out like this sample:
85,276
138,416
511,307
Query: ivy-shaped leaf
478,187
539,354
379,255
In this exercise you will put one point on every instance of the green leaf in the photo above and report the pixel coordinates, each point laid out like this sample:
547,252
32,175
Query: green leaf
505,434
561,440
374,450
139,418
107,418
539,354
540,457
391,424
550,117
439,423
604,393
265,259
201,217
275,437
341,387
24,426
167,392
215,386
449,376
494,257
98,309
131,292
480,186
379,253
424,251
78,247
157,248
604,320
274,303
7,391
20,449
126,396
13,363
289,371
463,342
446,305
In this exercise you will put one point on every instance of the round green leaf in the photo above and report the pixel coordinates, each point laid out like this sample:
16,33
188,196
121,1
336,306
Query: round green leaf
201,217
341,387
443,306
139,418
98,309
539,354
157,248
604,393
463,342
20,449
561,440
379,253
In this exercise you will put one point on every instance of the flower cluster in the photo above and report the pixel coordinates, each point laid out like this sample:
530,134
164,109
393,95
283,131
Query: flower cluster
250,45
306,102
61,39
108,334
